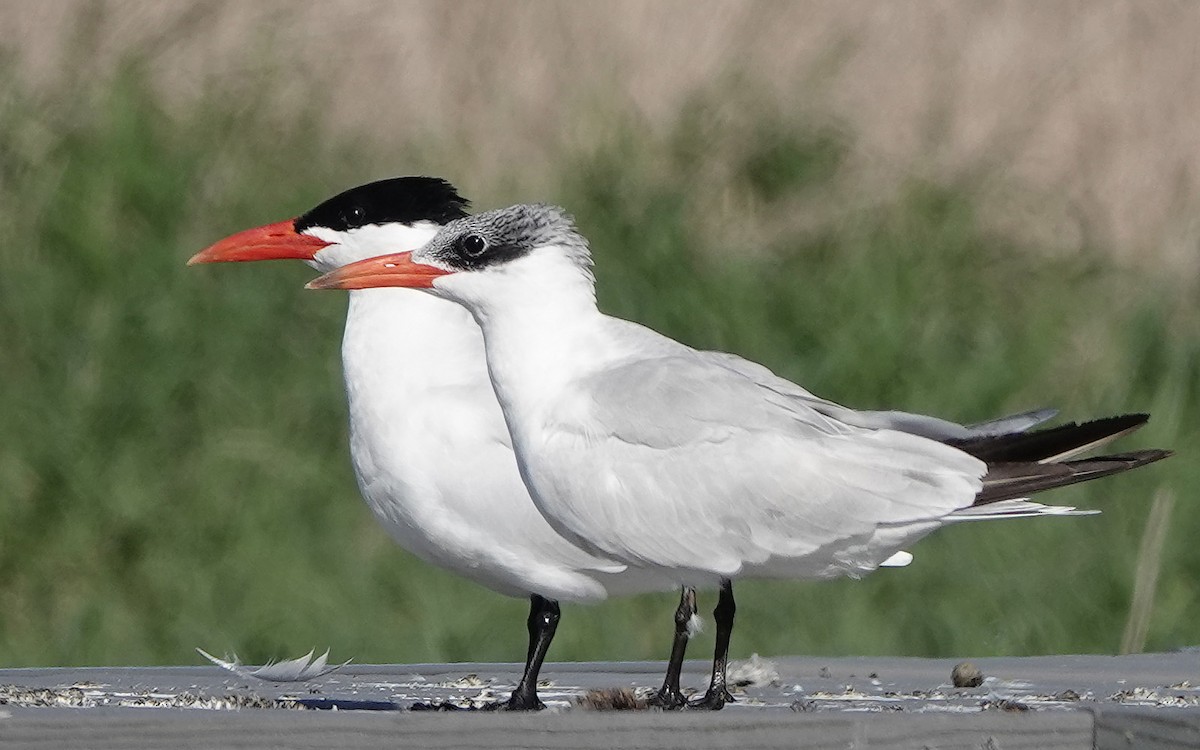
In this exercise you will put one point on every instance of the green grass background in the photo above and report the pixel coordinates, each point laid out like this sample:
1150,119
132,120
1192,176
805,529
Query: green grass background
173,468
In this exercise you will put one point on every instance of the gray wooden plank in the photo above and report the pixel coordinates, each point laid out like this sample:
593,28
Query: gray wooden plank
1124,728
813,683
809,702
193,730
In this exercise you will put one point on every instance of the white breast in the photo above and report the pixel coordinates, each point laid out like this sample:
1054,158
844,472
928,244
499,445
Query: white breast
433,457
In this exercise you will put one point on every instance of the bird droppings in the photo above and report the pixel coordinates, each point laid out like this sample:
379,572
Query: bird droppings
1141,696
611,699
12,695
966,675
1003,704
438,706
75,697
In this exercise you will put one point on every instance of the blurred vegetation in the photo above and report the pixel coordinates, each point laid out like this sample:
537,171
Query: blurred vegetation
173,468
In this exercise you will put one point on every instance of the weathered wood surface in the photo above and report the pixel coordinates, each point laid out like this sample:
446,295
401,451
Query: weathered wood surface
741,731
800,702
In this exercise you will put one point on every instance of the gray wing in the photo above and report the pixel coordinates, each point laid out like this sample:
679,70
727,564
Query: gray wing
915,424
676,462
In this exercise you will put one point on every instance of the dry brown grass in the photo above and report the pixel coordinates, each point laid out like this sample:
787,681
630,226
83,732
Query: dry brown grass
1084,115
1149,566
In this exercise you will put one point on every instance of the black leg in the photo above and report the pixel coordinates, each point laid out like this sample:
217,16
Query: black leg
543,621
669,695
531,625
718,693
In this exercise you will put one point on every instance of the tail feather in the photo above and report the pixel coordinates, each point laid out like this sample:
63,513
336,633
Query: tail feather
1012,480
1015,508
1050,445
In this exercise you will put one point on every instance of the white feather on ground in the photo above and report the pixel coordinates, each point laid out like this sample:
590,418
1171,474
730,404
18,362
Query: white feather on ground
754,672
302,669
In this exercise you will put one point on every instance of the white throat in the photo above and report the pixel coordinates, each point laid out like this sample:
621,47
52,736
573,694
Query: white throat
368,242
540,325
400,339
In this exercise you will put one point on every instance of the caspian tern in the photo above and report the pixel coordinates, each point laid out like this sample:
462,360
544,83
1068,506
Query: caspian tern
419,397
430,450
698,466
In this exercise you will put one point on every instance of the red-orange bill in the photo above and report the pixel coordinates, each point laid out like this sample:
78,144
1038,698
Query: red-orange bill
270,242
397,269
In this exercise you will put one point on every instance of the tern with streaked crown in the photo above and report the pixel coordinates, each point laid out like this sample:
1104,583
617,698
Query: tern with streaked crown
698,466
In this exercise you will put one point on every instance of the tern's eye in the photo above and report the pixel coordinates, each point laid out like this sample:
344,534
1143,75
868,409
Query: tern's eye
356,216
473,245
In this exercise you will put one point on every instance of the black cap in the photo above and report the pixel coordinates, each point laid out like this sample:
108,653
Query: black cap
400,200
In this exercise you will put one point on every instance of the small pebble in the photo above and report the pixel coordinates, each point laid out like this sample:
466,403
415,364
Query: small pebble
966,675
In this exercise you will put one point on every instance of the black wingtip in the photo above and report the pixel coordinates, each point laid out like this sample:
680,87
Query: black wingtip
1052,443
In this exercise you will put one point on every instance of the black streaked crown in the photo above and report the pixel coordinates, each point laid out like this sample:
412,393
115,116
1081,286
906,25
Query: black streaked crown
502,235
404,200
